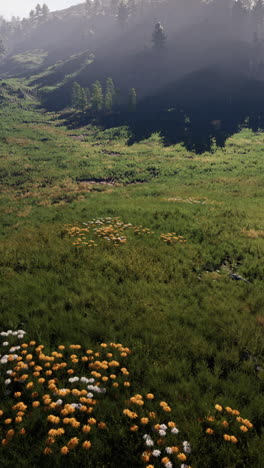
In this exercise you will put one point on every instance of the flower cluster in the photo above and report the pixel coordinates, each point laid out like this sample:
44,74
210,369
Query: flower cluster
62,388
227,424
150,420
171,238
111,230
65,392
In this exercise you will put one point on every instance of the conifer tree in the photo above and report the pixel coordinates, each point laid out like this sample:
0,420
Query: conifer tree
88,95
132,100
45,10
83,99
110,86
97,97
38,10
110,95
32,14
108,101
76,95
2,48
158,37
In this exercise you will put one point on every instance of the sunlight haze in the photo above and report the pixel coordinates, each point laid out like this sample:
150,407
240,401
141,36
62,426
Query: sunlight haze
22,8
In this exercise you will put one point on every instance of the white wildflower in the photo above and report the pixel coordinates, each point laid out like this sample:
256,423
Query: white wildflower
9,372
186,447
73,379
5,343
175,430
156,453
163,427
59,402
168,465
162,433
8,381
84,380
149,442
168,450
14,348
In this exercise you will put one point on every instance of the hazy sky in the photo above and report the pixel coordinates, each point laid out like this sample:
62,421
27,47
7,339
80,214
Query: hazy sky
22,8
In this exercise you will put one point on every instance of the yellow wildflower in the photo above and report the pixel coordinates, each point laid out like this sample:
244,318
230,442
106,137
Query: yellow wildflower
165,460
218,408
64,450
87,445
92,421
144,421
134,428
181,456
243,428
209,431
102,425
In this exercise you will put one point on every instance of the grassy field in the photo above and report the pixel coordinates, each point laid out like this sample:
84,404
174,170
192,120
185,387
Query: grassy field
150,268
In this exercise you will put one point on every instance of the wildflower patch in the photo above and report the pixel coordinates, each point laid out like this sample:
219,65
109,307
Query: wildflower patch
113,231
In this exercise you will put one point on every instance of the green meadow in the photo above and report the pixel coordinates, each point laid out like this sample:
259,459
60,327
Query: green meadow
195,333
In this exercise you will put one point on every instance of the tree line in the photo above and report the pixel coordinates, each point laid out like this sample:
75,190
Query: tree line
100,99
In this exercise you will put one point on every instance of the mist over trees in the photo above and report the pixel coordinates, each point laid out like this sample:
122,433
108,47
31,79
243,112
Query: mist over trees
164,56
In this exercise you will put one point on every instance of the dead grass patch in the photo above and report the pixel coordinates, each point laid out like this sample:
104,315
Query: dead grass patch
19,141
253,233
25,212
260,321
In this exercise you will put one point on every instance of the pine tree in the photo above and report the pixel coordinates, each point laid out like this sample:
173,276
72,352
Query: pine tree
32,14
76,95
83,99
110,94
2,48
45,10
38,10
158,37
132,100
88,95
97,96
110,86
108,101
